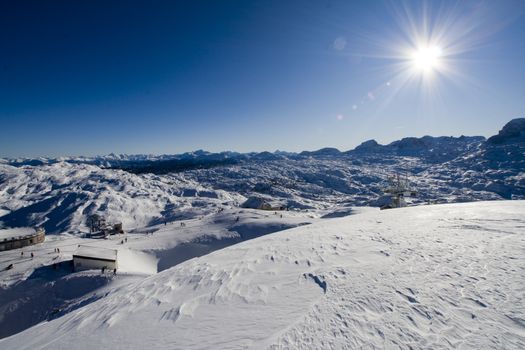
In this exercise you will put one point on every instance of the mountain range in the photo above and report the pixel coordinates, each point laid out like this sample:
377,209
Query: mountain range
59,193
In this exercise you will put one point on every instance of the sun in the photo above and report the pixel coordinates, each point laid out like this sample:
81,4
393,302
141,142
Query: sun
426,58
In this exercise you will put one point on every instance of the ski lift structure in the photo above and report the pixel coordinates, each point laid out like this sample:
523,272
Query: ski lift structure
398,189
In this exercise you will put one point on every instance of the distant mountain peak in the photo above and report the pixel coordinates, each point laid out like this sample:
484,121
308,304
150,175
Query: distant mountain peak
368,145
327,151
513,131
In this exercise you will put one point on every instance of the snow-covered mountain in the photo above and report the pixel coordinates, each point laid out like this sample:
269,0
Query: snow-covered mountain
61,193
431,149
61,196
497,166
427,277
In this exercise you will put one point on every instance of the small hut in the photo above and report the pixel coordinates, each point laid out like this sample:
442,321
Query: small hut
94,258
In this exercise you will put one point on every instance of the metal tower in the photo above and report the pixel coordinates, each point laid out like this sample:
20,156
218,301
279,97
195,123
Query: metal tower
398,188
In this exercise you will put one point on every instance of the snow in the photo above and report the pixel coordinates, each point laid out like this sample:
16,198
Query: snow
16,232
438,276
136,262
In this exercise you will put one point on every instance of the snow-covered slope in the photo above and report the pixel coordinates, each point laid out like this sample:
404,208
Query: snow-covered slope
426,277
61,196
43,287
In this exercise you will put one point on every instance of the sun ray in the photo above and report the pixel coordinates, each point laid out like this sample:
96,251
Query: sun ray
428,48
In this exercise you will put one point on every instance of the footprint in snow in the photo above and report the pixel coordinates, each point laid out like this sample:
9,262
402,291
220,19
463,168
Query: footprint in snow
318,280
171,315
477,302
407,297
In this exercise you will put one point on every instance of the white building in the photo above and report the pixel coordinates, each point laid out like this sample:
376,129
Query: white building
89,258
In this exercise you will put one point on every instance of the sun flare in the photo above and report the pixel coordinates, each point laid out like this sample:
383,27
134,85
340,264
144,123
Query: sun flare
426,58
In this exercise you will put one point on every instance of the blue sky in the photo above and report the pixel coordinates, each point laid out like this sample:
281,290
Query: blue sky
95,77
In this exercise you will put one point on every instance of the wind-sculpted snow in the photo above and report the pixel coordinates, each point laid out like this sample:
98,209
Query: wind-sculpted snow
47,267
427,277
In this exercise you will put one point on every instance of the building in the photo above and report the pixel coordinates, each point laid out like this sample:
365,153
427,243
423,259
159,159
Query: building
263,204
94,258
14,238
98,226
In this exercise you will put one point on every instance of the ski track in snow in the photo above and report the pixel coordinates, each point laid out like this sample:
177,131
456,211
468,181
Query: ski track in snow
439,277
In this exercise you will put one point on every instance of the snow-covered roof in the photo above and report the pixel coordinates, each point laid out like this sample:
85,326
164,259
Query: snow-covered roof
16,232
96,252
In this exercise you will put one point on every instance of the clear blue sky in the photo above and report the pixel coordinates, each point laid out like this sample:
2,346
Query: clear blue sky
94,77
